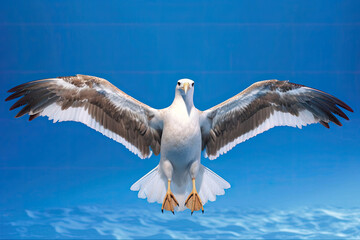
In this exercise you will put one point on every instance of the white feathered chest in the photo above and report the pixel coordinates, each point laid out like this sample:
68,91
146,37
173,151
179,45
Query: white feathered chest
181,136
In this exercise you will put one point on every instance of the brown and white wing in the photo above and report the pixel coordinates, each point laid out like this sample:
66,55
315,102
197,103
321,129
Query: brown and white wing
262,106
96,103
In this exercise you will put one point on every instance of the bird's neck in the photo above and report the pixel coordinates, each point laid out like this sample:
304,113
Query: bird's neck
185,101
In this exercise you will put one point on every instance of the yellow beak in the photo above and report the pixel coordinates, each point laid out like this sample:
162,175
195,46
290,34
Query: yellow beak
186,87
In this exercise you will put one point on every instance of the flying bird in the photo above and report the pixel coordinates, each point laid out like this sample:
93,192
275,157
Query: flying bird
180,132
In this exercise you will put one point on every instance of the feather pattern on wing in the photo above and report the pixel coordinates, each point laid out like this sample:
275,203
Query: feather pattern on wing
262,106
96,103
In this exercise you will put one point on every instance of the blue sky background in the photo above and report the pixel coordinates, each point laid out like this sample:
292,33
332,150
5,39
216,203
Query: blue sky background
144,47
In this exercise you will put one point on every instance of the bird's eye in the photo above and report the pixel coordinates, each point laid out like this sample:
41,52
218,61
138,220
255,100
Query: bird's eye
192,84
179,83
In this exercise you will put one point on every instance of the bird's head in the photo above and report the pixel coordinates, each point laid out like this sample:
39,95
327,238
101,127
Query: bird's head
185,87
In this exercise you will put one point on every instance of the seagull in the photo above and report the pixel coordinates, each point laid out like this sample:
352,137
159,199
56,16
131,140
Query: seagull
180,132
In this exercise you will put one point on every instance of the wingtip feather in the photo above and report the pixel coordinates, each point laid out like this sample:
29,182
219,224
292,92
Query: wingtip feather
32,117
12,89
345,106
338,101
23,111
18,87
325,124
8,98
349,109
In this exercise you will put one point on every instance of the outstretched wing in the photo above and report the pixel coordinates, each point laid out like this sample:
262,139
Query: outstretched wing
262,106
96,103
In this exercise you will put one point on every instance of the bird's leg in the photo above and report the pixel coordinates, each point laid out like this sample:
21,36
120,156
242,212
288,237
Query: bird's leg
169,201
193,202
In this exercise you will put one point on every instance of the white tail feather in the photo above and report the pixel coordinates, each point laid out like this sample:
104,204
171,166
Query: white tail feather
209,184
153,187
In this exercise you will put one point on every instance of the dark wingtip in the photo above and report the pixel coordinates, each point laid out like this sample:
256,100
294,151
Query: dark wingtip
12,107
11,90
338,101
19,103
8,98
14,95
23,111
22,86
343,115
15,89
338,123
345,106
32,117
325,124
349,109
338,111
335,120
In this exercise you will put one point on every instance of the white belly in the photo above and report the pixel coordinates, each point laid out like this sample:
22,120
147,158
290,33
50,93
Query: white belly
181,141
180,150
